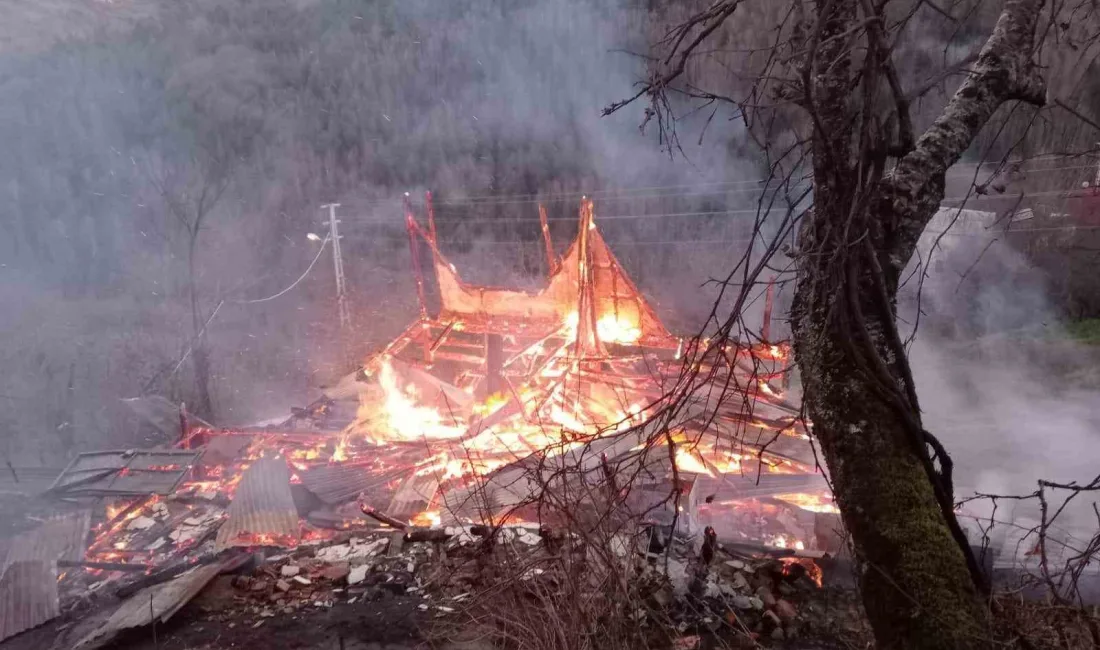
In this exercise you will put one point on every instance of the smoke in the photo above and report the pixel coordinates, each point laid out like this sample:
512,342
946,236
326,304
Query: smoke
1010,395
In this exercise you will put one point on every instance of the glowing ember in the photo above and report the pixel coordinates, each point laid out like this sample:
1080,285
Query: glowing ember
427,518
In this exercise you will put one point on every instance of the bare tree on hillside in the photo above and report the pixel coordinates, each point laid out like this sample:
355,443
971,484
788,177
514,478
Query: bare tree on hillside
190,191
823,81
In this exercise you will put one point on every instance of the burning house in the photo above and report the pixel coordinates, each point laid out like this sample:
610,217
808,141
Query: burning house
487,408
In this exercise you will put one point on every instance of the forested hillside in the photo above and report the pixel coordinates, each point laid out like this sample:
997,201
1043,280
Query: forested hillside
135,125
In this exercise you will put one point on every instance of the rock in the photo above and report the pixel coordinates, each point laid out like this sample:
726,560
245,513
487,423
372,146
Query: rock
741,602
736,564
766,596
335,572
242,582
357,574
786,610
259,585
740,582
757,604
282,585
290,570
777,634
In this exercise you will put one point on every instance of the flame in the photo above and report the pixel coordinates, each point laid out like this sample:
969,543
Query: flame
617,330
427,518
401,417
610,328
688,460
810,502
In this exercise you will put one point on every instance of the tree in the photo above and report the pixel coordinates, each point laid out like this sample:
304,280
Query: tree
190,190
823,82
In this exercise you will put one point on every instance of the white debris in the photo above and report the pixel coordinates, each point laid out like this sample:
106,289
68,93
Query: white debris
141,523
160,510
157,544
358,574
290,570
356,549
422,607
736,564
445,609
194,521
302,580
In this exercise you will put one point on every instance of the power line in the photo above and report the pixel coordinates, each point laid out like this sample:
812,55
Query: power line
660,215
614,194
532,242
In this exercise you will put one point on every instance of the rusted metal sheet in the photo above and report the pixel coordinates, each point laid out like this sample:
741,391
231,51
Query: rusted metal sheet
28,584
263,511
125,473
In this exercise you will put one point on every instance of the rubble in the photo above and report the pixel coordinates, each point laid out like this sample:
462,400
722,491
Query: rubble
426,479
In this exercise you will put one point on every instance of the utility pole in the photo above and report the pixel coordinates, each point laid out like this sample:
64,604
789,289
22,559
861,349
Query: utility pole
338,265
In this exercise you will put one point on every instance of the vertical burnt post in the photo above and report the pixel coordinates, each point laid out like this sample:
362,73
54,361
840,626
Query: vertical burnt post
769,299
431,216
494,364
414,251
551,259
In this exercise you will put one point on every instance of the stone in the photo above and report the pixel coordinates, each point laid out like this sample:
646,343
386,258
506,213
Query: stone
786,610
736,564
259,585
282,585
757,604
741,602
778,635
766,596
335,572
357,574
290,570
740,582
242,582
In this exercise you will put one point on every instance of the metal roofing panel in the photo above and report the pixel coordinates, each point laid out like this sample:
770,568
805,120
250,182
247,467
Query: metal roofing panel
28,596
28,584
340,483
262,511
59,538
158,602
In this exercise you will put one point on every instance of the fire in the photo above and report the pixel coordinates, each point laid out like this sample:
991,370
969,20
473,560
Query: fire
617,330
688,460
401,417
611,328
427,518
810,502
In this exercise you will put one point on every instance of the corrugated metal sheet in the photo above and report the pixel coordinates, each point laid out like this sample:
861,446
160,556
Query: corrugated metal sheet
28,597
156,603
336,484
263,508
28,584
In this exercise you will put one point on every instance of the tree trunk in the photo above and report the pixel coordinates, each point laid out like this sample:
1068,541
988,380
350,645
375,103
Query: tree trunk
204,406
918,583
